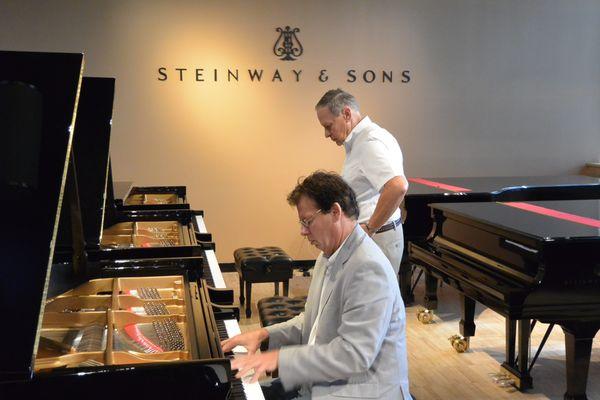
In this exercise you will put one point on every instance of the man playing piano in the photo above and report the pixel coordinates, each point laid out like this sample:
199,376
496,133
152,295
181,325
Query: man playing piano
373,169
351,339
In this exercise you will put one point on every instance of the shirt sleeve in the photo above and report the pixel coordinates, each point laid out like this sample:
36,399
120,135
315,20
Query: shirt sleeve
380,163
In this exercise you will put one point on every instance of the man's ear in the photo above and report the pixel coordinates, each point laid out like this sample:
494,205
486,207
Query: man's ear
336,210
347,113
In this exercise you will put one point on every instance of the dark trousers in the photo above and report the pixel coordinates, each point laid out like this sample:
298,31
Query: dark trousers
273,390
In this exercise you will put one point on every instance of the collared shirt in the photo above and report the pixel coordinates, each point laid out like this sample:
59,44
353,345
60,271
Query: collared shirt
373,157
326,263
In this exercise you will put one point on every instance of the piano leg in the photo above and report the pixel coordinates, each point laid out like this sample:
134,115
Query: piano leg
511,340
578,346
524,332
467,323
431,300
460,343
405,276
517,367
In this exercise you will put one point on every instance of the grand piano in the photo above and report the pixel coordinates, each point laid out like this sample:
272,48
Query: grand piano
128,197
424,191
528,261
80,329
110,231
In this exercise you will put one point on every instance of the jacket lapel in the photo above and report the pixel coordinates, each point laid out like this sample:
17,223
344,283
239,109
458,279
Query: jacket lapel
354,240
314,293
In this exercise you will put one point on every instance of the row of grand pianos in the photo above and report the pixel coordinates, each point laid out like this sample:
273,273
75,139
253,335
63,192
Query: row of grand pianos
108,289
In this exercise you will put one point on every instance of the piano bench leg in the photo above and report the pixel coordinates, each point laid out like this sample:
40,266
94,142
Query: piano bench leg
241,291
276,285
248,299
286,288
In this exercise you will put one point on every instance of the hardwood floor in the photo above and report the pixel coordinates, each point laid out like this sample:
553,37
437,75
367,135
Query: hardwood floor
438,372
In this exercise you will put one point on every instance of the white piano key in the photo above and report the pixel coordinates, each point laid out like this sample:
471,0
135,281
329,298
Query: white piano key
213,264
253,391
201,224
215,270
233,328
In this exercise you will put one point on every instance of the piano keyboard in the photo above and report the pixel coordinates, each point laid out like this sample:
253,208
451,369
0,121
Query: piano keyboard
227,328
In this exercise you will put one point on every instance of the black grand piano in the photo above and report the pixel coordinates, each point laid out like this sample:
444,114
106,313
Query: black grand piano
75,329
424,191
527,261
110,231
128,197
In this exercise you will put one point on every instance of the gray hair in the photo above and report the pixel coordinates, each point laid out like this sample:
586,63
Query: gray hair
336,100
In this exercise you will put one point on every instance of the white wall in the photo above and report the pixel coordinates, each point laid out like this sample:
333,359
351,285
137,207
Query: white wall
506,87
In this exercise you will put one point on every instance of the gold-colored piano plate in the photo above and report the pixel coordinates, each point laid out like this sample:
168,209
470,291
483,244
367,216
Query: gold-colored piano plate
132,304
168,287
79,303
143,234
151,199
71,315
103,286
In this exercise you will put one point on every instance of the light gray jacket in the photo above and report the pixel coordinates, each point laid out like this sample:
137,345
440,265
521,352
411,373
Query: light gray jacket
360,344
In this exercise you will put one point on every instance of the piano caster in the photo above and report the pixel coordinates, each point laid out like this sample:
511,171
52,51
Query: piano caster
425,316
459,343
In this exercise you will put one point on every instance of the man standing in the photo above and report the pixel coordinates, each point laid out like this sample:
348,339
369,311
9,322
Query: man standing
351,339
373,168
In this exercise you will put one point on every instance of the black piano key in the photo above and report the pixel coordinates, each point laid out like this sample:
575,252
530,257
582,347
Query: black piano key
237,388
206,273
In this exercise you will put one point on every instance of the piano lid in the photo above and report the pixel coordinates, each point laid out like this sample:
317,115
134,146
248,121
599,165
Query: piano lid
541,220
91,152
495,186
38,102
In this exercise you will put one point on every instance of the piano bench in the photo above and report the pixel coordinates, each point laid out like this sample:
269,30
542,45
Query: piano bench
273,310
258,265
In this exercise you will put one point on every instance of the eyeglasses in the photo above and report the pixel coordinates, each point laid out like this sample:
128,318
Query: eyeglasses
307,221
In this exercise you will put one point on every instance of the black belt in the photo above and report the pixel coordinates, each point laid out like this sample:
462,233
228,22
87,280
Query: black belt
389,226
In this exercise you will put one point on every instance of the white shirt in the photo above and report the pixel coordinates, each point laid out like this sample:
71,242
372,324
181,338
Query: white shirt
373,157
325,262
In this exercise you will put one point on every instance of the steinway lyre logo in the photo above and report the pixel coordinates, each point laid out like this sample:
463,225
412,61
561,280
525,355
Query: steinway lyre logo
287,46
